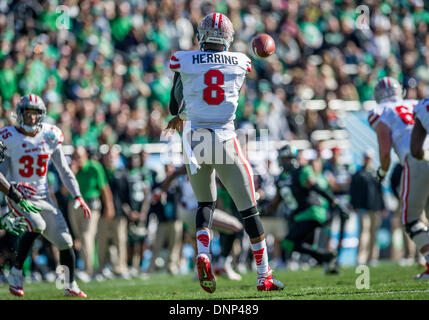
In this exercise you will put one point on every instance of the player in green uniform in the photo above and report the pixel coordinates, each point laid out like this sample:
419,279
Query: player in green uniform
308,198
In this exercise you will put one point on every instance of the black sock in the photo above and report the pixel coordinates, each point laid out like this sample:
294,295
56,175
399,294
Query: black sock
24,246
68,259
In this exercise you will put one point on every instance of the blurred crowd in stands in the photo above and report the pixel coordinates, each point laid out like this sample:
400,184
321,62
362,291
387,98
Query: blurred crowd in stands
102,69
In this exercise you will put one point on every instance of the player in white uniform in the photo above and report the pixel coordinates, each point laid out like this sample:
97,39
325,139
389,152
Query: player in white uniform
393,121
212,78
28,148
420,154
10,222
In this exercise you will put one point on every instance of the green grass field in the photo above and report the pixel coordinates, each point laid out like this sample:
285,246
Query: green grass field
387,281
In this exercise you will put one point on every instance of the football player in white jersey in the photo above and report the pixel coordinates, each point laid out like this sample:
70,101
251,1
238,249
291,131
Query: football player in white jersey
9,222
211,79
420,153
28,148
393,121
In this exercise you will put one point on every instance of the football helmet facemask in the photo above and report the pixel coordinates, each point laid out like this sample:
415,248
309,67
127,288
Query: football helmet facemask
30,102
215,28
387,88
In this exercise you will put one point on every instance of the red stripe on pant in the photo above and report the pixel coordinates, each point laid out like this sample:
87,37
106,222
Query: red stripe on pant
246,164
404,196
19,214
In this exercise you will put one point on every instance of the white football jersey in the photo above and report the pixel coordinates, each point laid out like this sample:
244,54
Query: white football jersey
211,86
27,158
398,116
421,111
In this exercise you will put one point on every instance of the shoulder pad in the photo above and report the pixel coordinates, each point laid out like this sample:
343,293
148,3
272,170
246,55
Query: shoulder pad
53,134
175,61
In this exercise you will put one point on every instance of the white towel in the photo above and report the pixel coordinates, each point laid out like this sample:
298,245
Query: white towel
193,163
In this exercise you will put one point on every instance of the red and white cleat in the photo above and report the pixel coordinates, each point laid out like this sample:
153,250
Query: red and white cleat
267,282
207,280
423,275
74,291
15,282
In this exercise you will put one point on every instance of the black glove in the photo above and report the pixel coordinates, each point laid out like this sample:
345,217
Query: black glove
381,174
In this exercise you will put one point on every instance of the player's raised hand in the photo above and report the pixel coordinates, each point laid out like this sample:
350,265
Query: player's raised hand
28,207
13,225
26,190
79,202
176,124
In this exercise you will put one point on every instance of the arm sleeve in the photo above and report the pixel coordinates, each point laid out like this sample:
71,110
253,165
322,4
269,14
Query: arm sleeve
66,175
176,95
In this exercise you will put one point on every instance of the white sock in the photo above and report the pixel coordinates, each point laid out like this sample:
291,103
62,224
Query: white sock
261,257
203,242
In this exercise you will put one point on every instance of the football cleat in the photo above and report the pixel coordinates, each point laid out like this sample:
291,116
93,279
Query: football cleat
423,275
227,272
267,282
74,291
15,282
207,280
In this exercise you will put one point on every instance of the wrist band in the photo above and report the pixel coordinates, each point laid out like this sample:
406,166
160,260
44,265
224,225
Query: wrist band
15,195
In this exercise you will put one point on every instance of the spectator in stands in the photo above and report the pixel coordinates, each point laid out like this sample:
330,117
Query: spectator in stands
97,194
170,228
112,233
367,201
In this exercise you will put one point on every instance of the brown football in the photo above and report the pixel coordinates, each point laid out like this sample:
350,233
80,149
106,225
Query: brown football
263,45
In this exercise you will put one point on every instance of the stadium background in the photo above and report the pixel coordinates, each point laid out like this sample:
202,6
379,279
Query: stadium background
102,69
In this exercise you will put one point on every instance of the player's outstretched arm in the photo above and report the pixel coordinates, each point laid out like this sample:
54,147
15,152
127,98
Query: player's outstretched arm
68,178
384,145
176,94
